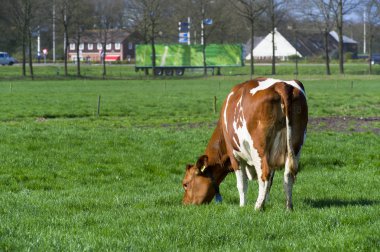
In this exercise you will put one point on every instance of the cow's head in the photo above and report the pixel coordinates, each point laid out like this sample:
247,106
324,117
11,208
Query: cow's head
201,181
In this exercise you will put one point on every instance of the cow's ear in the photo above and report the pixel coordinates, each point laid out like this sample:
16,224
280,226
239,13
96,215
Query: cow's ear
202,163
188,166
226,162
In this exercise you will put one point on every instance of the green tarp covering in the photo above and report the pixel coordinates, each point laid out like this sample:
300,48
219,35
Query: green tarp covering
189,55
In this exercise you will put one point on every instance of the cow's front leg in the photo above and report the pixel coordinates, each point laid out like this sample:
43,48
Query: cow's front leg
270,182
242,185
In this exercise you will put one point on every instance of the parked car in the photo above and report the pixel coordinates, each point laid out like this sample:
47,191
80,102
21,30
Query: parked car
375,59
5,59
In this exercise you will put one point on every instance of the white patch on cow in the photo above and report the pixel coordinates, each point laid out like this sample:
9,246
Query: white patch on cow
225,110
246,151
289,135
270,82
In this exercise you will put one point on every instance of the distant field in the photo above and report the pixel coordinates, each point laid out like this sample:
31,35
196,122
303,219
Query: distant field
72,181
116,71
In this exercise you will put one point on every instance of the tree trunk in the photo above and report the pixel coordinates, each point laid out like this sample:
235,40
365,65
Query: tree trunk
103,55
152,40
252,47
153,56
340,34
204,56
327,56
370,52
273,20
30,53
273,54
24,35
66,48
78,56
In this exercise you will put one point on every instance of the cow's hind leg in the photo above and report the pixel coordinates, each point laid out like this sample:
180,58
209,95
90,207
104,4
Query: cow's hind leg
242,184
263,178
289,181
263,189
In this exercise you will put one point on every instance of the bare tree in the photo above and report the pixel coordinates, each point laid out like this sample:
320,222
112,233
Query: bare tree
250,10
65,8
139,21
372,21
275,12
321,13
203,8
342,8
108,14
147,17
206,12
22,13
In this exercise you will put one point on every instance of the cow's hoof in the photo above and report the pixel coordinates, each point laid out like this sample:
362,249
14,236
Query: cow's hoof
259,208
289,207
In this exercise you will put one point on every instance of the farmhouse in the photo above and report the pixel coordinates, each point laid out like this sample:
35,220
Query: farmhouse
120,46
301,44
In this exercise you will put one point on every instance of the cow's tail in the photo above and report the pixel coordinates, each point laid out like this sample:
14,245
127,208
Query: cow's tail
286,93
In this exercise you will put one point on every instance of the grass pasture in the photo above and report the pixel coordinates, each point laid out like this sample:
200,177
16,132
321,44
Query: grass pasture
72,181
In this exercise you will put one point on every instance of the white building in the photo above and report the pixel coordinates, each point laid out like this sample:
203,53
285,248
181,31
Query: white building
308,45
283,48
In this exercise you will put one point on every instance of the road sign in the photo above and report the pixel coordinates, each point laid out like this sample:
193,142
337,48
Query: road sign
207,21
183,35
184,32
183,40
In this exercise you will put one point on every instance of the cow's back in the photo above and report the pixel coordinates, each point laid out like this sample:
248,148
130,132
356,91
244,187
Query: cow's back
254,119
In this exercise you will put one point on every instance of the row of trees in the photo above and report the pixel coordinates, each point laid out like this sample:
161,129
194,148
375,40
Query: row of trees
330,14
234,21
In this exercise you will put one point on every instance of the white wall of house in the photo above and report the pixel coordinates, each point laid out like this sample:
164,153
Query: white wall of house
283,49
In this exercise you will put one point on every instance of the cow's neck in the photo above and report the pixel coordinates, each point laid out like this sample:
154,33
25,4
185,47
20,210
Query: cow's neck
216,150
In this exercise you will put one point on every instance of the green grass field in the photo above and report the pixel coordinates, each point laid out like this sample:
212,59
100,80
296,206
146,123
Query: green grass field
127,72
72,181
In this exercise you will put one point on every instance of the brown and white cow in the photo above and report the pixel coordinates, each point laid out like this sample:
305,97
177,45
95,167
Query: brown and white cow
261,128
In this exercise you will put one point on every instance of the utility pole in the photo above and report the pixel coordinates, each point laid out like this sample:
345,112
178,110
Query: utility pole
38,44
188,33
202,26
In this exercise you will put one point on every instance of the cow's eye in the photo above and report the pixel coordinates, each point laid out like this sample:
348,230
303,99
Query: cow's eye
184,186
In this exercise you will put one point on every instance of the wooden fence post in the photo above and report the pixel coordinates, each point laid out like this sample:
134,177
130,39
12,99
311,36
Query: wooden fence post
98,113
214,104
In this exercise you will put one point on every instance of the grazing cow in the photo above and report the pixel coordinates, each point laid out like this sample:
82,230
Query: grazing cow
261,128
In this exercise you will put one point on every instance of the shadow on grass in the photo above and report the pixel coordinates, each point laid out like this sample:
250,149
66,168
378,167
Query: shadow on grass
327,203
